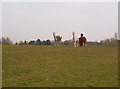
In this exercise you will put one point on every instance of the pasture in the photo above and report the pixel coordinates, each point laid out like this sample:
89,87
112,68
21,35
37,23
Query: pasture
63,66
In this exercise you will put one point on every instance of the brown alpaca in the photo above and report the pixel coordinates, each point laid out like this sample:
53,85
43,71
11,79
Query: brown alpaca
82,40
57,39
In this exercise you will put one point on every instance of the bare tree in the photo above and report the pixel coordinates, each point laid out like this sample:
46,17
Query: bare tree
6,41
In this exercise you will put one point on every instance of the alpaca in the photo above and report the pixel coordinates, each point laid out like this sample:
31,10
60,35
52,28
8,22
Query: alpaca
57,39
82,40
75,40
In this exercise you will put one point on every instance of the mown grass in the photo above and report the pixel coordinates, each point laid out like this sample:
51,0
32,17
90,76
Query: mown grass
63,66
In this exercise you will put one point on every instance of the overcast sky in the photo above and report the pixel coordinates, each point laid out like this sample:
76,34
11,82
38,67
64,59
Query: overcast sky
38,20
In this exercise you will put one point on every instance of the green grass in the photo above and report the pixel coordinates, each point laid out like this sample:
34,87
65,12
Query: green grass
63,66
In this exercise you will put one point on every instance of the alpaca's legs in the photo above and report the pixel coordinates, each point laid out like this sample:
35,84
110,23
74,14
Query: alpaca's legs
84,43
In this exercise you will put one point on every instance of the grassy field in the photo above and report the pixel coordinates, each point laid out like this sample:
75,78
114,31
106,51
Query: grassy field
63,66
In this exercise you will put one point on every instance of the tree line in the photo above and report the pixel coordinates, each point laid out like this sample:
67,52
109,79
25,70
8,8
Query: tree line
105,42
34,42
